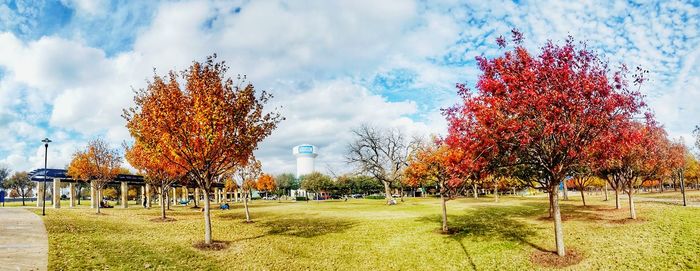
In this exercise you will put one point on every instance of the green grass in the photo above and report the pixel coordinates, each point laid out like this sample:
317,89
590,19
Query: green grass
368,235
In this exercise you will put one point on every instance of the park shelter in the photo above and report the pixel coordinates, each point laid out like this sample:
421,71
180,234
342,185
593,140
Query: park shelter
124,181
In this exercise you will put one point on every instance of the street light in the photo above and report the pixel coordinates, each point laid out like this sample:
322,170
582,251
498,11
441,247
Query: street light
46,142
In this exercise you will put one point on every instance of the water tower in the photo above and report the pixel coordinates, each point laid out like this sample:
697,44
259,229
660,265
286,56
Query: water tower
305,155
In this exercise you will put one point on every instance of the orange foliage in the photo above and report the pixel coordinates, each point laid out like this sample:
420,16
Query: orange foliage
430,165
206,127
265,183
97,163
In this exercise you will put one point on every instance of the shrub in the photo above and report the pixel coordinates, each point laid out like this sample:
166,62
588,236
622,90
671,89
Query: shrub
375,197
300,199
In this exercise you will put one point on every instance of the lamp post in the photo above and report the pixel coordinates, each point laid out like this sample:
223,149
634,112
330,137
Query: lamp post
46,142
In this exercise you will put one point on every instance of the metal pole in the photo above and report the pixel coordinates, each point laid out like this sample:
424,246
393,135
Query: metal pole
43,196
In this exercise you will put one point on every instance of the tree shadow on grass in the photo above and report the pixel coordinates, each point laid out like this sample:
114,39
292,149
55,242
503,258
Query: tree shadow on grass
306,227
491,223
587,213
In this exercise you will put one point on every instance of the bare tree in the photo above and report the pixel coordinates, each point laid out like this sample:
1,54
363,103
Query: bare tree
381,153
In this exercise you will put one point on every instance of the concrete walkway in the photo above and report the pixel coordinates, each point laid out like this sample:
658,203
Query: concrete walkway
23,241
671,201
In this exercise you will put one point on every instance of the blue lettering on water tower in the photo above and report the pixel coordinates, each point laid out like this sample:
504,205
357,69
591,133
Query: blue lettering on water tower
306,149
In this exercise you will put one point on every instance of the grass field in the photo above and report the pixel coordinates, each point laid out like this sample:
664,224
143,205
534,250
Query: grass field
367,235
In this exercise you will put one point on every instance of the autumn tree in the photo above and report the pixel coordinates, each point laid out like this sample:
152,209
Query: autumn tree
692,169
265,183
206,126
677,155
381,153
230,186
431,163
98,164
157,170
542,112
581,180
20,182
246,177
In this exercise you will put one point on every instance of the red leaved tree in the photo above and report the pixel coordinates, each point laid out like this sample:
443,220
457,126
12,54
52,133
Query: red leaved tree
542,112
637,152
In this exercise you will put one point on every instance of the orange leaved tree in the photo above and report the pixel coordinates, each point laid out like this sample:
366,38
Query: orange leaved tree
431,164
98,164
158,172
265,183
245,177
206,126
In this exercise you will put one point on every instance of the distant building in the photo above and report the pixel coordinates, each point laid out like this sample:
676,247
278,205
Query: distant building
306,155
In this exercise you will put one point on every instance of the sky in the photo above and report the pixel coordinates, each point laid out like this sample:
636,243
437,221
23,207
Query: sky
69,67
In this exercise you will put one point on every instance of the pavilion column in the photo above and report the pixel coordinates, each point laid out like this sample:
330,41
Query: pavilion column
235,195
196,195
217,195
125,195
148,196
40,194
174,192
185,194
56,193
143,196
93,195
71,194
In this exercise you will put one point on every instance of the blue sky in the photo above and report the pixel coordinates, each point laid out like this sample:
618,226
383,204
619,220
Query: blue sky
67,68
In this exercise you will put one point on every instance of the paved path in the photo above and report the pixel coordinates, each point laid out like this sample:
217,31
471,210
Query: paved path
672,201
23,241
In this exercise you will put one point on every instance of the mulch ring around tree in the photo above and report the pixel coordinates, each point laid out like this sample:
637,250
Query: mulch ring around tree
551,259
160,219
214,246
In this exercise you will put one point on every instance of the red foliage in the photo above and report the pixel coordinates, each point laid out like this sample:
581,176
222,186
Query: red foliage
545,112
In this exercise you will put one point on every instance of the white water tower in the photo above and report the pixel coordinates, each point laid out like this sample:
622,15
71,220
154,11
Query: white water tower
305,155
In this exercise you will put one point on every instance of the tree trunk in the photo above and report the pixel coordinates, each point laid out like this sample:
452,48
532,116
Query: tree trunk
675,187
495,191
606,191
476,194
680,176
558,228
583,197
99,200
551,203
162,206
245,203
617,198
387,192
167,198
566,191
207,222
633,213
25,205
80,187
444,213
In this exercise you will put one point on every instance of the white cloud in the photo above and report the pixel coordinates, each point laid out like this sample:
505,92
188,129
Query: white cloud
318,58
324,116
